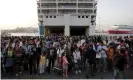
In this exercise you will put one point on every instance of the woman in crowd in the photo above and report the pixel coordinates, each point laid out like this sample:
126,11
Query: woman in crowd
59,53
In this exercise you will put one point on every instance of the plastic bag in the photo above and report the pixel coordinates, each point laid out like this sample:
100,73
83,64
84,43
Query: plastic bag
98,56
47,62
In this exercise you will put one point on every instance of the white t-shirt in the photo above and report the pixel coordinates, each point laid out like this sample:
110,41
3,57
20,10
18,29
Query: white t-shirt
55,44
102,52
37,44
13,45
59,52
76,56
119,46
78,44
20,44
82,41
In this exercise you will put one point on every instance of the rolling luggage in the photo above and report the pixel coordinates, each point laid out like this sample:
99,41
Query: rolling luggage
58,70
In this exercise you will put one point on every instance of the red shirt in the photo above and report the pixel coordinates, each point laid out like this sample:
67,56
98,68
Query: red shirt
65,62
126,53
83,48
17,50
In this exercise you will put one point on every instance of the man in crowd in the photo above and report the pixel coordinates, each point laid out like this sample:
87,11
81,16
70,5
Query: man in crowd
51,57
32,57
110,54
102,49
90,57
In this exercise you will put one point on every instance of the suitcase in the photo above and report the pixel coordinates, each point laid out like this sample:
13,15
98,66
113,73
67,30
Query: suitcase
58,70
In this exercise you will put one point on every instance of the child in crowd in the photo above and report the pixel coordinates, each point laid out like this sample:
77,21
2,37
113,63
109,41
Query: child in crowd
42,66
65,65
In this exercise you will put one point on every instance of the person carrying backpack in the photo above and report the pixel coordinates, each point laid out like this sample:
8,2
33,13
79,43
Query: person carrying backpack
102,49
18,58
119,63
9,61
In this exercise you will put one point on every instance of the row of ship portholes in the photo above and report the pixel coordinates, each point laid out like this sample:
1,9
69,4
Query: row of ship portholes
83,16
78,16
50,16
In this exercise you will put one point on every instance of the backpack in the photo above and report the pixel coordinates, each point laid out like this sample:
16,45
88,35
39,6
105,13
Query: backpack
116,60
51,52
123,48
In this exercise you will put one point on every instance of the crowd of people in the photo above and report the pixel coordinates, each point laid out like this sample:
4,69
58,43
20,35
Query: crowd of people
78,54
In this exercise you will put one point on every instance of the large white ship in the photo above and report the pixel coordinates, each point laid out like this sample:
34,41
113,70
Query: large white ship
69,17
121,29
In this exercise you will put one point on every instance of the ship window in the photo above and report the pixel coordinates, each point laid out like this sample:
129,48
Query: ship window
46,16
86,16
50,16
78,16
54,16
82,16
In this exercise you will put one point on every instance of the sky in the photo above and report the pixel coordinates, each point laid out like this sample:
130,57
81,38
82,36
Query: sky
23,13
